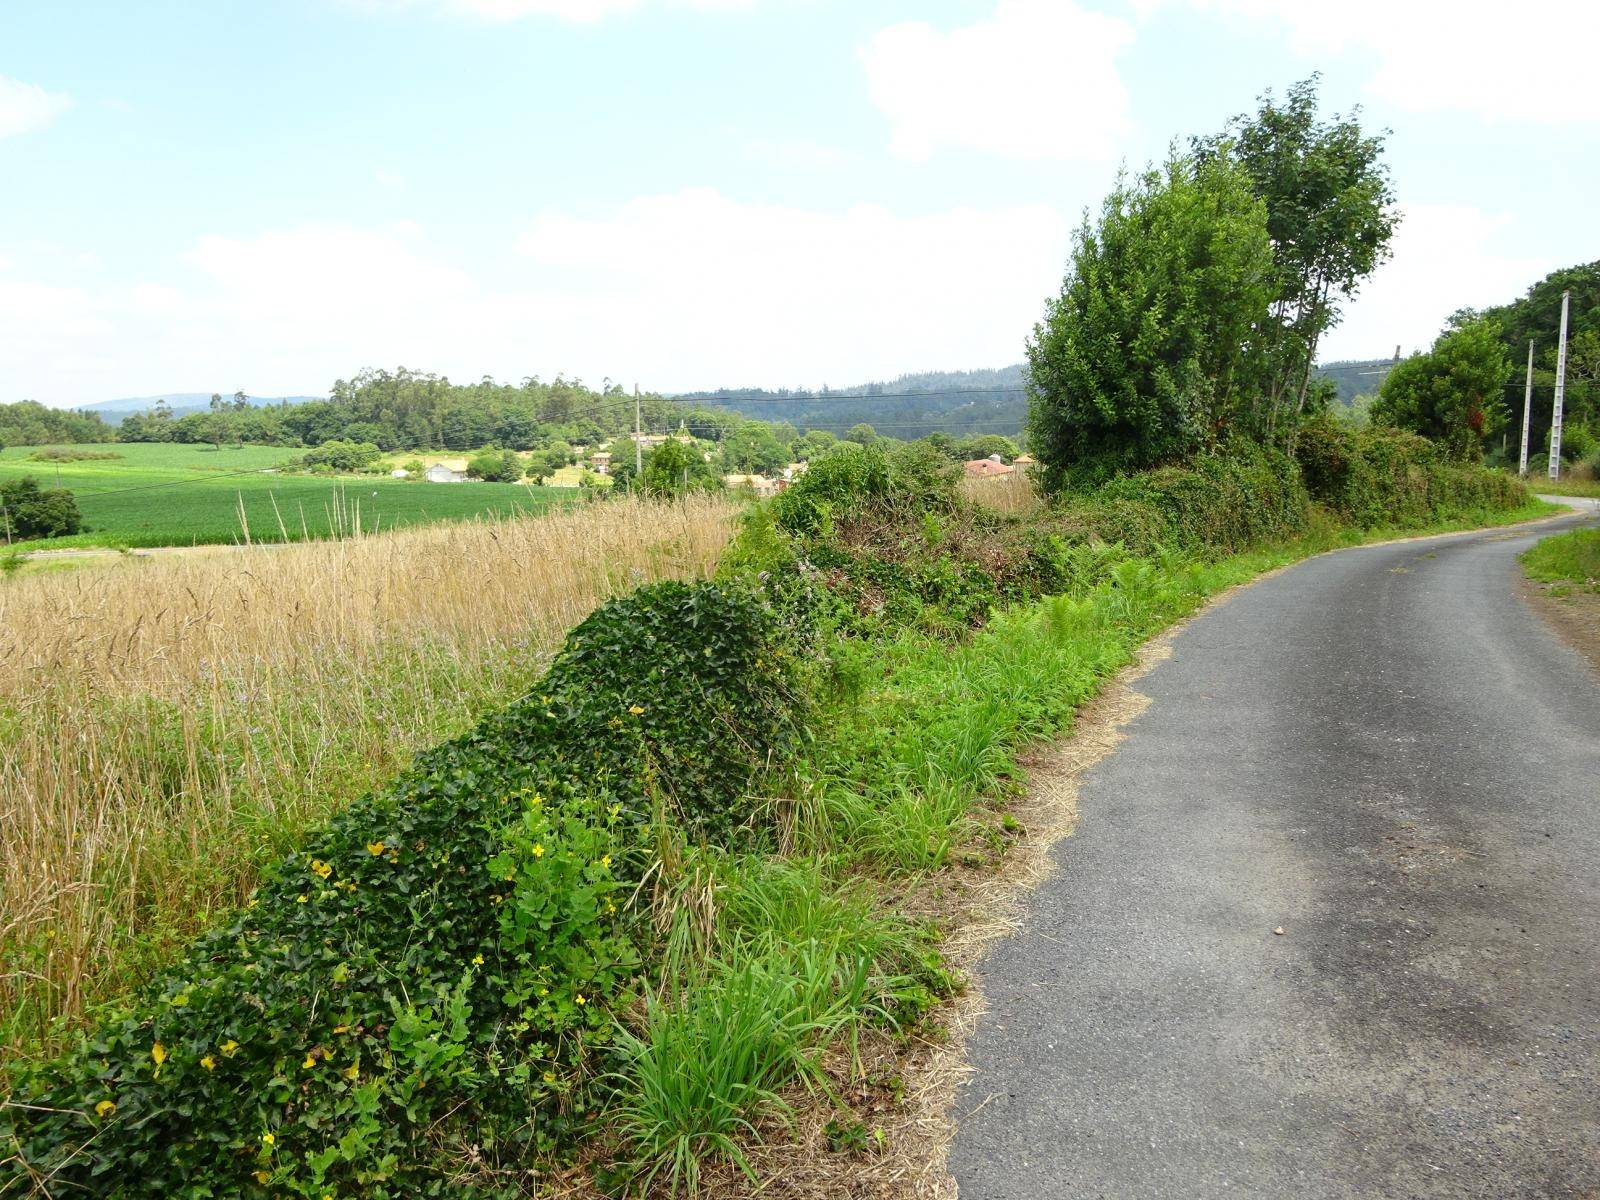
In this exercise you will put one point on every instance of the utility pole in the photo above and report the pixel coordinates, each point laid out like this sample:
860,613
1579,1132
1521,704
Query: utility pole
638,436
1561,391
1527,410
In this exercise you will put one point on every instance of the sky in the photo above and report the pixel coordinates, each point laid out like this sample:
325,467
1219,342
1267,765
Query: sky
269,195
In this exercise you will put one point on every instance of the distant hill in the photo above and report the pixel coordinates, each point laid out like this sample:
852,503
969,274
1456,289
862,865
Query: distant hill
1356,377
181,403
957,402
909,406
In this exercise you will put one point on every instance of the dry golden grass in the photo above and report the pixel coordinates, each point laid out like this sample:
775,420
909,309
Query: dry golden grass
1014,493
168,726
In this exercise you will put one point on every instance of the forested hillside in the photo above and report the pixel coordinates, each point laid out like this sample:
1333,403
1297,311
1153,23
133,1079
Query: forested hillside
907,407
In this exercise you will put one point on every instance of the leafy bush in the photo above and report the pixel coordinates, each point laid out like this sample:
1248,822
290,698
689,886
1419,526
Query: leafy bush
1381,476
30,511
341,455
61,454
495,466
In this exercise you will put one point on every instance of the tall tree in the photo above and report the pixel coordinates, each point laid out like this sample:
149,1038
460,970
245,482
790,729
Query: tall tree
1149,353
1330,216
1455,393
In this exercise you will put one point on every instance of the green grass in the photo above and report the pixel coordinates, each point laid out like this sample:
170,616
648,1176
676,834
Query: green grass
1569,560
169,495
1538,481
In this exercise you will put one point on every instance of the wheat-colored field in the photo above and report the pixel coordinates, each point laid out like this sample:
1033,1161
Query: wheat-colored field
169,726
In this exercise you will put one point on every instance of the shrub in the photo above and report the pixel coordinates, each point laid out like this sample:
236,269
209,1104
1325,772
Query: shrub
495,466
339,455
30,511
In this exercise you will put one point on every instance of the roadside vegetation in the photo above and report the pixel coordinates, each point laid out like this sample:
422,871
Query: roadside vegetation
472,918
1570,561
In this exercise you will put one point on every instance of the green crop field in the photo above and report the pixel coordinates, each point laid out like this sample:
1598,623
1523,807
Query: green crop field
170,495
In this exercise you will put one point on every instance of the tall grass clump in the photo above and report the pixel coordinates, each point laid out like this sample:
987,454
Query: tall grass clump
169,727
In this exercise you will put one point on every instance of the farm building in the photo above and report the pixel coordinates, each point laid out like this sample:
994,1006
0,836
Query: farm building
439,473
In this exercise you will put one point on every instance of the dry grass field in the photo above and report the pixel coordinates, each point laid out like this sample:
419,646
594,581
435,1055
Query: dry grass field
169,726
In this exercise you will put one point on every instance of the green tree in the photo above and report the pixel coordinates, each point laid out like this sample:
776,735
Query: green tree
862,434
495,466
754,447
813,442
984,445
674,468
1149,353
1330,215
30,511
1454,393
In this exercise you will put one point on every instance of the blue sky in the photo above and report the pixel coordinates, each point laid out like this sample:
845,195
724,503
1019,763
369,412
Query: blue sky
692,193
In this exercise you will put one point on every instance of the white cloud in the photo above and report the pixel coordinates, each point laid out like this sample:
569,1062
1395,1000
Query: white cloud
1532,62
1037,80
1446,257
674,291
25,107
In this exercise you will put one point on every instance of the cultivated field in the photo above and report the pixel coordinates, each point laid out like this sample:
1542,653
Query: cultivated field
158,494
169,728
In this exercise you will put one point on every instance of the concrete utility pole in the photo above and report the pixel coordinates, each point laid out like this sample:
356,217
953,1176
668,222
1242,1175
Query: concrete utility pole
1527,409
638,437
1561,391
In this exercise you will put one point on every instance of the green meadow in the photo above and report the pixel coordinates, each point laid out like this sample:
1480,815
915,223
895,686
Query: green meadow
158,494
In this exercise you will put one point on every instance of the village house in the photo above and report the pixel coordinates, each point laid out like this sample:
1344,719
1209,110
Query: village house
985,468
439,473
760,484
600,460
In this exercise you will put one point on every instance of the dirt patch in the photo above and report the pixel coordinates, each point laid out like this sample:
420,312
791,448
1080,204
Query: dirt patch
1574,616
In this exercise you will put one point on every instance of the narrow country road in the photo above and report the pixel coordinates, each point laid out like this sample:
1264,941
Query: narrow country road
1384,753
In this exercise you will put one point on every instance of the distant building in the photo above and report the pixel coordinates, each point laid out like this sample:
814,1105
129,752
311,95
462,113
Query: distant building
760,484
984,468
600,460
399,473
439,473
1023,460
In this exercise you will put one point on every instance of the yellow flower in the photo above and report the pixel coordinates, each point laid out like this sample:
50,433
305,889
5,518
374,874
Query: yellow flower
549,1076
538,849
636,710
311,1061
581,1000
375,848
262,1177
544,991
300,899
159,1053
605,860
209,1063
353,1071
477,960
320,869
105,1108
229,1046
267,1140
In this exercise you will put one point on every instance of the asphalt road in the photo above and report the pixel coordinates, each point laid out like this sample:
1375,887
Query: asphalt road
1386,754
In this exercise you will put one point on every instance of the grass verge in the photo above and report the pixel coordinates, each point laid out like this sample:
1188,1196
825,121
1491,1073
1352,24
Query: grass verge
1570,561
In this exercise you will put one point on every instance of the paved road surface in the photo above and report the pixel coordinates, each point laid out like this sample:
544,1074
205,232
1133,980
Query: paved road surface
1385,753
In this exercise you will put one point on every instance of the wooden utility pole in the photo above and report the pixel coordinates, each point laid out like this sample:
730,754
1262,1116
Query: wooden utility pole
1527,409
1561,391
